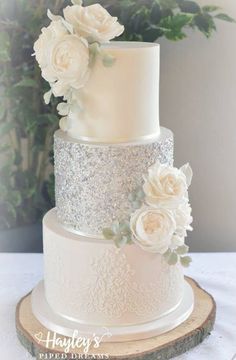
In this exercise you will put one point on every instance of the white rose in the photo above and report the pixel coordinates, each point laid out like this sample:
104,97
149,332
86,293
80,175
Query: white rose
183,219
153,229
70,61
93,22
63,58
46,42
167,186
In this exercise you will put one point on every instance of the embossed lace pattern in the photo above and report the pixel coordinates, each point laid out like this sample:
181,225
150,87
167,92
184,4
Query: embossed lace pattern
111,289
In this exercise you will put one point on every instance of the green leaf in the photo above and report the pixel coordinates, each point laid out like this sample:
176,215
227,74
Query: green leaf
168,4
224,17
185,261
167,254
172,259
108,233
172,26
155,14
175,36
180,20
204,23
115,226
94,50
136,204
132,196
210,8
108,60
117,239
189,7
27,82
181,250
124,240
140,194
125,227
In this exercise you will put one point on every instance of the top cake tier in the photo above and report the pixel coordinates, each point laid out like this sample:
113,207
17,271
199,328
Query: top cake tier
120,102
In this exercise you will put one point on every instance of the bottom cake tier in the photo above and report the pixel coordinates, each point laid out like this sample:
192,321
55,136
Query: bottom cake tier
91,284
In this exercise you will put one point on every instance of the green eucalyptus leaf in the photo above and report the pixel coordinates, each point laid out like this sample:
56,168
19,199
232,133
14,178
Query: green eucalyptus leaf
124,227
140,194
94,50
108,60
132,196
117,240
129,239
185,261
123,241
115,226
172,259
181,250
108,233
136,204
167,254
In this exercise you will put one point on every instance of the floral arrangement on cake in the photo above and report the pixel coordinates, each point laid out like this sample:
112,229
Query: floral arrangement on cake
67,49
161,214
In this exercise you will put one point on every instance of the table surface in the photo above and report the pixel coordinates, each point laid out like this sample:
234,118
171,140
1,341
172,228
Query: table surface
215,272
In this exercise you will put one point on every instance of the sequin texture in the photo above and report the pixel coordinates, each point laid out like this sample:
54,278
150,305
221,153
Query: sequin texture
93,181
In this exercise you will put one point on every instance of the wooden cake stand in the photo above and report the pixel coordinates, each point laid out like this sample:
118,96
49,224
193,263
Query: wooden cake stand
175,342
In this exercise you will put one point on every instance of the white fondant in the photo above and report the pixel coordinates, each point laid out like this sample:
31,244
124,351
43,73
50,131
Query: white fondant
120,102
57,323
93,282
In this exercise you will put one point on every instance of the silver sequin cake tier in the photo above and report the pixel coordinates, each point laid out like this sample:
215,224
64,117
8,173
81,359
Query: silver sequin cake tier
93,181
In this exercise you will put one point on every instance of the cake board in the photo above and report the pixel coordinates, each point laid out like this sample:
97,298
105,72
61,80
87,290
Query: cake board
162,347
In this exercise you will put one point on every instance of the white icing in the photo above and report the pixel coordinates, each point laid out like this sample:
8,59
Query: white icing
120,102
94,282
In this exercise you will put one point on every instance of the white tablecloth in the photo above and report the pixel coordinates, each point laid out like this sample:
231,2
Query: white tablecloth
216,273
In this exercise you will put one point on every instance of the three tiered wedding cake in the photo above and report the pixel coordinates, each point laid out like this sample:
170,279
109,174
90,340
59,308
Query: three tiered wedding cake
114,245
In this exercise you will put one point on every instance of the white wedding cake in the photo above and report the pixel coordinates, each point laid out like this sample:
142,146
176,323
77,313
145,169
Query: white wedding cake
114,246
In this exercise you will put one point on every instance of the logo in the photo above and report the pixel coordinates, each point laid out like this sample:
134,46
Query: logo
86,345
